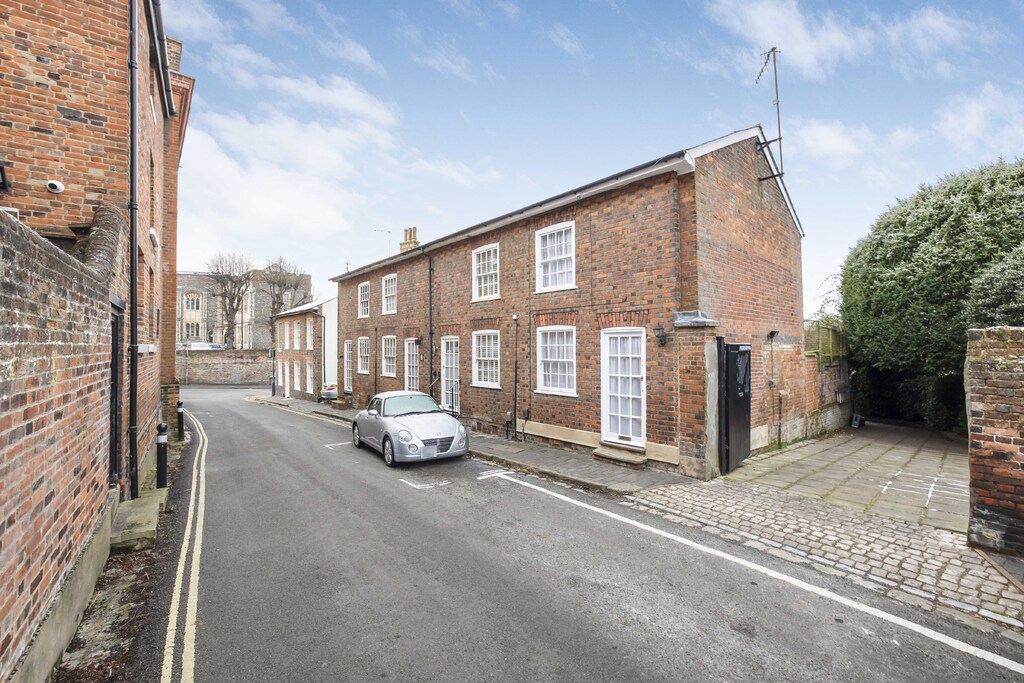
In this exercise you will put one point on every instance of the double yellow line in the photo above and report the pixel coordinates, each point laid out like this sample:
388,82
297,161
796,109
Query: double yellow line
196,511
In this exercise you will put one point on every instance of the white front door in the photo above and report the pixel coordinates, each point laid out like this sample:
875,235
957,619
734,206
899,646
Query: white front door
623,386
450,373
412,364
348,366
287,384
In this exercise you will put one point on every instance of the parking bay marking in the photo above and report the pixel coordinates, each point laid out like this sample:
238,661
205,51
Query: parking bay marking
960,645
423,487
340,443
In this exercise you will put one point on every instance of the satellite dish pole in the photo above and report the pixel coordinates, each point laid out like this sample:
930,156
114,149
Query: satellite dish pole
772,56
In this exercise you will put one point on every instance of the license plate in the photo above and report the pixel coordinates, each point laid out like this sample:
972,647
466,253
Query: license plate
429,451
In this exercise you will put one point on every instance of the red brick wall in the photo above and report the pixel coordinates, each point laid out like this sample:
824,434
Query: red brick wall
995,402
717,240
301,355
621,281
749,278
54,407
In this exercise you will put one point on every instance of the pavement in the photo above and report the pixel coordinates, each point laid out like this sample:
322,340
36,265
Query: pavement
793,508
896,471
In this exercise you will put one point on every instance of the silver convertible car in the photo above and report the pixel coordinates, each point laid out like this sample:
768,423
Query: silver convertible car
408,426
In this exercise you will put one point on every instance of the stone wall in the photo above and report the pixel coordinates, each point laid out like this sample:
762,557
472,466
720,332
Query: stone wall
55,352
994,376
224,367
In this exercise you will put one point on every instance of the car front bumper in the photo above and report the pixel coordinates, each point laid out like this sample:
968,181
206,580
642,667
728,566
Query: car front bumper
416,450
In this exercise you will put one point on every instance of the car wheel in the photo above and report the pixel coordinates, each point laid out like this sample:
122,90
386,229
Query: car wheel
355,436
389,453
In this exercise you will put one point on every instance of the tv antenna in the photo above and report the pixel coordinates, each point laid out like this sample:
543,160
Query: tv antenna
772,56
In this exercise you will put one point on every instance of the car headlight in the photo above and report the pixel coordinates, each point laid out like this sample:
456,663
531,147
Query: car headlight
405,436
462,435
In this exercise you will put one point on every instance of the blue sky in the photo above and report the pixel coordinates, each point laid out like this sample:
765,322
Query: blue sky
317,126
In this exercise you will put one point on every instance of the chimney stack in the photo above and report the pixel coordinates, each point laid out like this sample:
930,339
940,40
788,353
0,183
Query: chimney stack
409,240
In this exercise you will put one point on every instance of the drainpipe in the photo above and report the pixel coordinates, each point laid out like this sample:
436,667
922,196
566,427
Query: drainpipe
133,250
430,316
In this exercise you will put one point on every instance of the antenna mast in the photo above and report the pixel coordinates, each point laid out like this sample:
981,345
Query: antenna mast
772,56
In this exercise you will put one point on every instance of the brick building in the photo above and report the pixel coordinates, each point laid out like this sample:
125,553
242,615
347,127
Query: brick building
200,317
66,151
307,349
594,317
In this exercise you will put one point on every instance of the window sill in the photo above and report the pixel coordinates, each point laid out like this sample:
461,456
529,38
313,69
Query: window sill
567,288
362,317
384,374
550,392
485,386
360,372
389,312
485,298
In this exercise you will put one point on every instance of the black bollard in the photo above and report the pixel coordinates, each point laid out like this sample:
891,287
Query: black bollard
181,422
161,455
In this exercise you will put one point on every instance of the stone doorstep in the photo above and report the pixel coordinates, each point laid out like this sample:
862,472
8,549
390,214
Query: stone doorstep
620,456
135,525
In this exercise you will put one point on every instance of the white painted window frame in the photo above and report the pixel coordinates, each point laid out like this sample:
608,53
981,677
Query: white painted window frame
363,300
309,333
538,263
384,281
363,354
477,382
557,391
386,359
477,275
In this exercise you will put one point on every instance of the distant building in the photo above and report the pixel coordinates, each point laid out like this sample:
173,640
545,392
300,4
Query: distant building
307,349
200,317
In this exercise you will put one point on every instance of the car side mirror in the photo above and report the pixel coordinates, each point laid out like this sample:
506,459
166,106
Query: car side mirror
372,413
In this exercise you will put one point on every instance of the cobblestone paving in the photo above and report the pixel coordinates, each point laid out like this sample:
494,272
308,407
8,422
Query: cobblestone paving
919,564
890,470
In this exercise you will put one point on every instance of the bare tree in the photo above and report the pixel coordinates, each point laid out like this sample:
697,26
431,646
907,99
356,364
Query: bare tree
285,280
232,275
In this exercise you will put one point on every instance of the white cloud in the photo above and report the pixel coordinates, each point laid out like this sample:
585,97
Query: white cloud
834,142
989,121
456,171
565,40
920,43
337,93
446,59
239,63
333,42
815,43
510,9
194,21
268,17
812,45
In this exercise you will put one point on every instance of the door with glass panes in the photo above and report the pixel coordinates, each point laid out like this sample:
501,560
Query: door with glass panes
623,386
450,374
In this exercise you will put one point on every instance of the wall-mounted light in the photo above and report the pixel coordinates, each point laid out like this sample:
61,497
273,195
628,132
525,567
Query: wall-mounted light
659,332
772,335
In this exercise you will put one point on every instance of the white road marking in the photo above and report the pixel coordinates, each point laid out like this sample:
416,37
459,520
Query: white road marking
931,490
889,483
490,473
931,634
425,486
196,510
340,443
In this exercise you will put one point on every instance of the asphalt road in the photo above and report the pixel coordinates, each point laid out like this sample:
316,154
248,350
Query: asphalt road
320,564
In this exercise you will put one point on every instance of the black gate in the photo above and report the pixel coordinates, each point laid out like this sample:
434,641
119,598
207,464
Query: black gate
116,322
733,404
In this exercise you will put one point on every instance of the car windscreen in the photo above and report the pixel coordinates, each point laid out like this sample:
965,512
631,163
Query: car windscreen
404,405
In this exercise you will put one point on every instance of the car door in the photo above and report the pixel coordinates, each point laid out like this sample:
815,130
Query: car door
374,423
